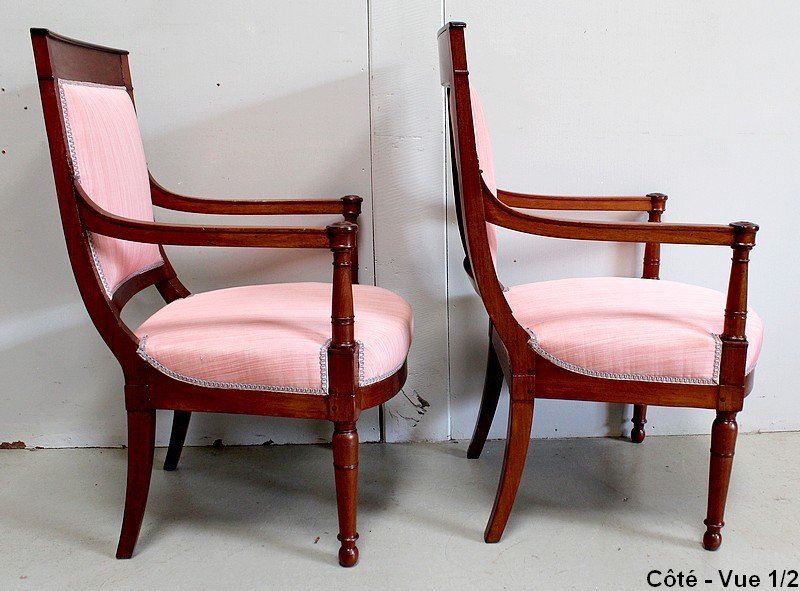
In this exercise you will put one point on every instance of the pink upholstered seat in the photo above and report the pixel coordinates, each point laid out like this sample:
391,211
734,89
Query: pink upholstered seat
633,329
273,337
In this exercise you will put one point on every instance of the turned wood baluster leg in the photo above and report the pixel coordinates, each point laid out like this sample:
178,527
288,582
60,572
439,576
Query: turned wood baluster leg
650,270
723,444
342,383
731,378
180,425
141,444
639,420
493,383
345,463
520,421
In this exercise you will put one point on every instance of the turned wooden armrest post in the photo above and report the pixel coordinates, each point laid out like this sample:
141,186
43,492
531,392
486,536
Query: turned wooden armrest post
652,250
734,339
343,349
351,209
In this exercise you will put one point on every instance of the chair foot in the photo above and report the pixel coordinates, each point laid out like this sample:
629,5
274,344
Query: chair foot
345,463
180,425
723,445
141,445
639,420
492,385
712,540
520,421
348,552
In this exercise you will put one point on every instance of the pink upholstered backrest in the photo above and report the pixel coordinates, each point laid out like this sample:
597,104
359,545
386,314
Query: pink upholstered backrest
108,160
483,144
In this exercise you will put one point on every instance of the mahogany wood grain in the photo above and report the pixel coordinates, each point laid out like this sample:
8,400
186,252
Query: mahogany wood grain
146,388
531,376
141,445
492,385
180,426
723,445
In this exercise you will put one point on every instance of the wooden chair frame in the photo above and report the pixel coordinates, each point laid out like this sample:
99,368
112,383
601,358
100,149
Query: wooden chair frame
531,376
147,389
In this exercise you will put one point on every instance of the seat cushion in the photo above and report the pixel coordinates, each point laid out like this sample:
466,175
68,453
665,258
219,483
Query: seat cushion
273,337
629,329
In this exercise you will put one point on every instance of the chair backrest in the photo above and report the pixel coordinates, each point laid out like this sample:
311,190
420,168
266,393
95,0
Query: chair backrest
472,159
474,186
90,118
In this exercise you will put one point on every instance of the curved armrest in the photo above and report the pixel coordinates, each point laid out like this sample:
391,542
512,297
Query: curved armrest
349,206
578,203
103,222
500,214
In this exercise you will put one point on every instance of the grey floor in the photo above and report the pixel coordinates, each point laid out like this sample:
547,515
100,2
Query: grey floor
591,514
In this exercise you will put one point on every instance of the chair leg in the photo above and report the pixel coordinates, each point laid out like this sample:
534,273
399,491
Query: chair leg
141,444
180,424
723,444
345,463
520,420
639,420
492,385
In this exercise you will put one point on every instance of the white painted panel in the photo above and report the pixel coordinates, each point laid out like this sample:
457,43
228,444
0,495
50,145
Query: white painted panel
694,99
408,189
252,99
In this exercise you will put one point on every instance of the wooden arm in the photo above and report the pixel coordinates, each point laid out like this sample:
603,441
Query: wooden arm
96,219
349,206
502,215
575,203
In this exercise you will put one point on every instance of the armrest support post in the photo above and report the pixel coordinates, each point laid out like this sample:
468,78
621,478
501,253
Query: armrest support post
734,339
343,349
351,209
652,250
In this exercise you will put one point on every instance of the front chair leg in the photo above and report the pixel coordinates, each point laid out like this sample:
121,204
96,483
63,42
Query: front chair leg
141,444
520,420
492,385
723,443
639,420
180,424
345,463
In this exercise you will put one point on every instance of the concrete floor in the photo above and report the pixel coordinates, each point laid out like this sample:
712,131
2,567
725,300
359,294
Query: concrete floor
591,514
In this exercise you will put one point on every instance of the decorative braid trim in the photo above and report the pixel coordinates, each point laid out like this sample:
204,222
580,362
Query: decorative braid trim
98,266
323,371
73,153
362,381
73,156
714,380
322,390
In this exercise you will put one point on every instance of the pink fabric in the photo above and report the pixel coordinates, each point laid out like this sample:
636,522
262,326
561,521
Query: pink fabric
483,143
273,337
108,160
629,328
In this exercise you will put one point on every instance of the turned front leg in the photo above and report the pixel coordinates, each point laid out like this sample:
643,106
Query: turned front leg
723,444
345,463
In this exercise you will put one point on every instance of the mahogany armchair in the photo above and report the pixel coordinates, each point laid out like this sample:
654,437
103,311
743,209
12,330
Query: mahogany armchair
607,339
308,350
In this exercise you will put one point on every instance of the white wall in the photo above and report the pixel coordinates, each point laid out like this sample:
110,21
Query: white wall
698,100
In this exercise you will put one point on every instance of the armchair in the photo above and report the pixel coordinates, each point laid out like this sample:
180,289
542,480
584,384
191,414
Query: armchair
607,339
305,350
